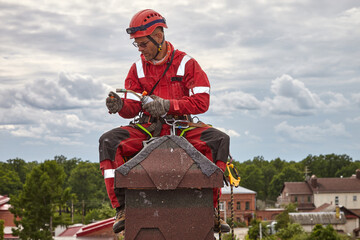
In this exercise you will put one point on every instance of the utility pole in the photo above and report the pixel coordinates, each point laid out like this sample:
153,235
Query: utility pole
72,211
83,211
260,230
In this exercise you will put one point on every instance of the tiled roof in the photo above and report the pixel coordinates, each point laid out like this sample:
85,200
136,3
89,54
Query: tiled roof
71,231
297,188
339,185
4,199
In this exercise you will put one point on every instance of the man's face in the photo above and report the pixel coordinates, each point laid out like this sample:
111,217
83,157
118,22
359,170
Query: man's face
146,47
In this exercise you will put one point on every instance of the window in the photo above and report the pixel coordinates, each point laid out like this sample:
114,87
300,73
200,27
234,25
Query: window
354,198
229,205
336,200
295,198
238,219
238,206
247,205
221,206
309,199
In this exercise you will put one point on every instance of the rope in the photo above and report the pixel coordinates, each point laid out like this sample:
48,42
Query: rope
218,213
232,212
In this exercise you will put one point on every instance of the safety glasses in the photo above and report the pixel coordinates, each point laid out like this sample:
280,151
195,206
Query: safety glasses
142,44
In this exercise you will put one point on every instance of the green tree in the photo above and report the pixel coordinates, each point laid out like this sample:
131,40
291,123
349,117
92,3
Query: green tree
320,233
349,170
37,202
326,165
87,183
289,174
2,229
283,218
291,230
19,166
9,182
105,211
254,229
253,179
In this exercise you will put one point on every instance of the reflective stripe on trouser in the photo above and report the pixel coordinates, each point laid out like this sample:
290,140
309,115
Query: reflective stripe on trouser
127,141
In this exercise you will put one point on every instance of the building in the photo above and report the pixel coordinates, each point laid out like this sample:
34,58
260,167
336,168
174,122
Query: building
7,216
244,204
98,230
315,192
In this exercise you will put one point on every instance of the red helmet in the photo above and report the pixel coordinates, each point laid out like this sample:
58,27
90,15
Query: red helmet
144,23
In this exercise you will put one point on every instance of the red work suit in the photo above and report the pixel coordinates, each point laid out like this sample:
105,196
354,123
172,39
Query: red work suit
187,87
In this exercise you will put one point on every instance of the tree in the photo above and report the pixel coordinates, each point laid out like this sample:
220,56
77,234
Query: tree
9,182
319,233
326,165
290,231
87,183
283,218
254,229
289,174
36,204
349,170
253,178
19,166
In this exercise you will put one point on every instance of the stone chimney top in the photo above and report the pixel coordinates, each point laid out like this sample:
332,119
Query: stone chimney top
313,181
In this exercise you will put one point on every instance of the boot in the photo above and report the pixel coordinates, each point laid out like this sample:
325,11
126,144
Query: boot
224,227
119,224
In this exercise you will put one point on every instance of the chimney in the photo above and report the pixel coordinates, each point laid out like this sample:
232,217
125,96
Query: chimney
358,173
313,181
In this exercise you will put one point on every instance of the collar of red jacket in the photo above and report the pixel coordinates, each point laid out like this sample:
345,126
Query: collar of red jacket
169,47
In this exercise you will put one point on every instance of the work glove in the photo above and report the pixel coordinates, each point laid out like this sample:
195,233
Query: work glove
158,107
114,102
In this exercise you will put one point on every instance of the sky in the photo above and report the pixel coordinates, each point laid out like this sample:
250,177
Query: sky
284,74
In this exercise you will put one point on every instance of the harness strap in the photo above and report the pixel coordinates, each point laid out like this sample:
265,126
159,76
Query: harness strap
144,129
185,130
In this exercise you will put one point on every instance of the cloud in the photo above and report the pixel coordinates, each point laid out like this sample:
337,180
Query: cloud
290,97
230,132
69,91
59,110
311,133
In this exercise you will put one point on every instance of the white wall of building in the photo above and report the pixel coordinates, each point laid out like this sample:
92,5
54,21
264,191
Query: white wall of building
348,200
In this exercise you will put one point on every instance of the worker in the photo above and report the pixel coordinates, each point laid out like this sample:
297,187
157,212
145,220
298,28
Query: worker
177,88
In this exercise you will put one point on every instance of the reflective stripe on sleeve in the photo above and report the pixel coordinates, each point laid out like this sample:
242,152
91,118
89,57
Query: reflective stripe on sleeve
196,90
181,69
139,69
109,173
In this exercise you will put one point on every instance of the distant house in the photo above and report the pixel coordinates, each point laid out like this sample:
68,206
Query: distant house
7,216
317,191
345,222
101,230
243,204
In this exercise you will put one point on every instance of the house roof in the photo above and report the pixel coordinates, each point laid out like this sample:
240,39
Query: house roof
312,218
336,185
324,185
4,199
297,188
79,230
236,190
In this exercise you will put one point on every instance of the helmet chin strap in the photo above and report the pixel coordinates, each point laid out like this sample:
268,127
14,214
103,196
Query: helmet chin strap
158,45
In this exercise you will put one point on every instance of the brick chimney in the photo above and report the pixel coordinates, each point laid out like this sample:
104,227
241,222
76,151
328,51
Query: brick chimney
313,181
358,173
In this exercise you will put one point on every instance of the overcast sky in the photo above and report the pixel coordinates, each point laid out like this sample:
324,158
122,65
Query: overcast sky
285,74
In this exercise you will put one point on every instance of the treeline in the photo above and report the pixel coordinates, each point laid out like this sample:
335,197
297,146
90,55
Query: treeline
63,191
267,177
55,192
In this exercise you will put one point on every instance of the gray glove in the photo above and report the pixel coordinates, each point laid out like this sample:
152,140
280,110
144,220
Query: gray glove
158,107
114,102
